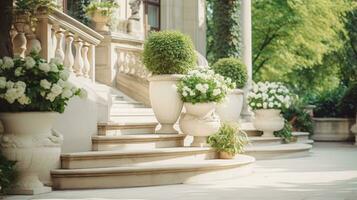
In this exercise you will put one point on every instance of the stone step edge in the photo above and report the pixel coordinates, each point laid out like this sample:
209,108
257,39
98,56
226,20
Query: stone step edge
207,165
292,147
103,127
131,154
137,138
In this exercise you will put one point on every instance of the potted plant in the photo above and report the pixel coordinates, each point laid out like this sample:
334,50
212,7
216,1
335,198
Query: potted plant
229,141
7,174
233,68
168,55
200,90
267,99
335,114
32,93
100,13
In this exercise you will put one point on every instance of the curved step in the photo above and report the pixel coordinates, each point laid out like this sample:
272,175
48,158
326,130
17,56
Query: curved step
116,128
265,141
152,175
146,141
100,159
291,150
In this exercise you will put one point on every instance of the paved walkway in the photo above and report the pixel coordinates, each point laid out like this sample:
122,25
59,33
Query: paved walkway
330,173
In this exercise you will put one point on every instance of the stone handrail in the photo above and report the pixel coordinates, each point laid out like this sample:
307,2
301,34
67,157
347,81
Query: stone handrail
58,35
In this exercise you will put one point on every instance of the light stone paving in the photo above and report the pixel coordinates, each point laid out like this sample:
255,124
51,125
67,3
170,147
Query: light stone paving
330,173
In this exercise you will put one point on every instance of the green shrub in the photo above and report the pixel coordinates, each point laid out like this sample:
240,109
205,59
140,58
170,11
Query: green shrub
298,117
169,52
348,104
285,133
229,139
106,8
7,174
232,68
327,103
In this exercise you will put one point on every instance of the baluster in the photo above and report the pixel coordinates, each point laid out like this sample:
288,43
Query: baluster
86,64
121,60
127,63
20,41
69,59
59,54
78,60
132,66
13,33
33,44
54,41
91,59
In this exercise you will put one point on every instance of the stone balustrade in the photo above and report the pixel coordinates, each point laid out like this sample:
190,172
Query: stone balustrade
57,35
129,62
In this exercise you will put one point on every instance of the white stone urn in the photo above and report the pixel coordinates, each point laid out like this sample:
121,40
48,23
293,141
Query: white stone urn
332,129
28,139
230,109
268,121
100,21
165,101
200,121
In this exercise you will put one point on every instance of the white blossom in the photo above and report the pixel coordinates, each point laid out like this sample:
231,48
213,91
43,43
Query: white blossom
53,68
56,89
8,63
44,67
24,100
56,61
29,62
10,84
216,92
64,75
2,82
67,93
18,71
83,94
45,84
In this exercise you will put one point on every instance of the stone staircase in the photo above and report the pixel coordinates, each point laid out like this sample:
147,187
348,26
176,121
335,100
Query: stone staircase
127,153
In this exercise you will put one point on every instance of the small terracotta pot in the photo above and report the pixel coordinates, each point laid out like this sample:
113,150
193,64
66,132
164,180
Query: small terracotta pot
226,155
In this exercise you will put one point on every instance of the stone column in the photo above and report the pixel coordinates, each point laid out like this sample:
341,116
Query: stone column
246,25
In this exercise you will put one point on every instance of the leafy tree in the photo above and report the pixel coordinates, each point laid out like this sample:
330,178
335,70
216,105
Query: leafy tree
294,35
76,8
224,38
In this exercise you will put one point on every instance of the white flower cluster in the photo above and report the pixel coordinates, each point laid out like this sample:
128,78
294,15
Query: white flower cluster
203,85
269,95
14,91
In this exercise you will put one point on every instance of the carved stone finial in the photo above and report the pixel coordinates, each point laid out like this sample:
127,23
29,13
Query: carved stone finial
135,8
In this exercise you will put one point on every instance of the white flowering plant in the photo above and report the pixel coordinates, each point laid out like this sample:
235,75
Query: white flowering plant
32,84
202,85
269,95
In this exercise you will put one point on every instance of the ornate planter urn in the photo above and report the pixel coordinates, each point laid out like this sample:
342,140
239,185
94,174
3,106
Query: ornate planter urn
230,109
28,139
100,21
268,121
199,121
226,155
165,101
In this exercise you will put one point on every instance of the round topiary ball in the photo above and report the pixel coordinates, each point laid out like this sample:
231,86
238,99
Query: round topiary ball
169,52
232,68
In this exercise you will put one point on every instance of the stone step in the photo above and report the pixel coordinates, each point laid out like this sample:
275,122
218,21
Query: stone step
133,127
152,175
126,104
303,137
100,159
265,141
131,111
290,150
138,142
132,118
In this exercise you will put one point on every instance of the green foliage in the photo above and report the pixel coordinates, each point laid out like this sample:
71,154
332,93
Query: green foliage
285,133
77,9
7,174
224,25
232,68
348,104
298,117
32,84
327,102
293,34
230,138
106,8
203,85
169,52
32,6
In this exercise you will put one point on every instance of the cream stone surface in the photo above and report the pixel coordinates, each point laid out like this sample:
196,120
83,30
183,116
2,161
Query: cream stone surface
165,101
268,121
230,109
333,129
328,174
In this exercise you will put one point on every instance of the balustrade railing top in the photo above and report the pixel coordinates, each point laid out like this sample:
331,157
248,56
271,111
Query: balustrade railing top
58,35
